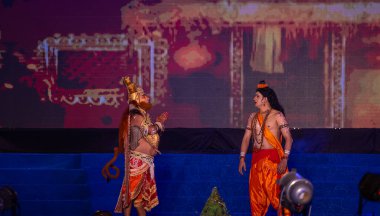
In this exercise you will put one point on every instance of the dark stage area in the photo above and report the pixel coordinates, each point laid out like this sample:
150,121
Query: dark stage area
185,140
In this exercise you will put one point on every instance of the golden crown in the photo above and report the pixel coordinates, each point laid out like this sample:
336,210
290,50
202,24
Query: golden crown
133,91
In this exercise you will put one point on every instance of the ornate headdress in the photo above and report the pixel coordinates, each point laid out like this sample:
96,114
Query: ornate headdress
134,91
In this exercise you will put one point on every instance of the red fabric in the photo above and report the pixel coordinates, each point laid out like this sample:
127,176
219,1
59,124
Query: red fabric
142,187
261,154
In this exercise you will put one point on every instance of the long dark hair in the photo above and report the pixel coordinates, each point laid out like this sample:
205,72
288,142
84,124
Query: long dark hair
269,93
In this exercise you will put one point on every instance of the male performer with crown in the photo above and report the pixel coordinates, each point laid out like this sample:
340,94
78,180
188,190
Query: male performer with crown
266,127
138,140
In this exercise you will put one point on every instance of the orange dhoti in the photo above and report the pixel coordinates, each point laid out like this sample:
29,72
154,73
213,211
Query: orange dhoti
263,188
142,185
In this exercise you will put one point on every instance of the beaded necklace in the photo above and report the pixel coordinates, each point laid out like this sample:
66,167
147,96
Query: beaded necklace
259,137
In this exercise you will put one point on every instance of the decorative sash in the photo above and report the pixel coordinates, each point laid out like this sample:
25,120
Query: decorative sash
270,137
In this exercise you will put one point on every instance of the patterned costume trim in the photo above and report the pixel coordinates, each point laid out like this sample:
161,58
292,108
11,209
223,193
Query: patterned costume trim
141,184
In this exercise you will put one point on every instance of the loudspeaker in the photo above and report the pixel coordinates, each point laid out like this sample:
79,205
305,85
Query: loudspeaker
369,186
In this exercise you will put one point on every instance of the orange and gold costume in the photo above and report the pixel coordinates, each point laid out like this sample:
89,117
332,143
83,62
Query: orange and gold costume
139,185
263,188
142,185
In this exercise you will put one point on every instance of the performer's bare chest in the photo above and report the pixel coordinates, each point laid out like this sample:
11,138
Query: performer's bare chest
259,139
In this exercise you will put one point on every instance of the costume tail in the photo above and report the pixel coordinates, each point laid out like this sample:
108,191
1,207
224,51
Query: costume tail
123,137
106,169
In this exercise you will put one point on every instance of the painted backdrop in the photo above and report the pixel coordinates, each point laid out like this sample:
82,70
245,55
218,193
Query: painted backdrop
61,62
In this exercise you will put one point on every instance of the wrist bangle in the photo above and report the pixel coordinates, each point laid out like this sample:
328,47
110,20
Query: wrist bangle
242,154
160,126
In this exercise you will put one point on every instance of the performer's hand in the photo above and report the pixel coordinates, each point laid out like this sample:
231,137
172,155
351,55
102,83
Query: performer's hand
281,168
163,117
242,166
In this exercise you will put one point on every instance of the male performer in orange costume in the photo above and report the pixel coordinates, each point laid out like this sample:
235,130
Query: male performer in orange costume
138,140
269,159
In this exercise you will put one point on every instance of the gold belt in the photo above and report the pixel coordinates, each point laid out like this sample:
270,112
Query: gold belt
144,157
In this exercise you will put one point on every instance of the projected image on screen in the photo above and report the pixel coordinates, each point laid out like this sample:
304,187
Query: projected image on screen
82,74
363,81
201,67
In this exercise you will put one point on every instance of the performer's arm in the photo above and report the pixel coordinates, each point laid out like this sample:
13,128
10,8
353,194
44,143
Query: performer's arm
158,126
245,144
285,131
136,119
154,128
